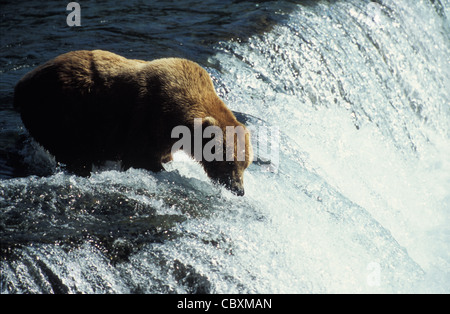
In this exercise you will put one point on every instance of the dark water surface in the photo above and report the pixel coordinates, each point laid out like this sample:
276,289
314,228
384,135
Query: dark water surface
356,200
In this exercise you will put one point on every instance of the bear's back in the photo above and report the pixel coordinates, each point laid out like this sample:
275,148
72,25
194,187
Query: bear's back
188,87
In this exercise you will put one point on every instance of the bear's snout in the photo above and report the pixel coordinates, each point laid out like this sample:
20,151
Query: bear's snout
235,186
239,191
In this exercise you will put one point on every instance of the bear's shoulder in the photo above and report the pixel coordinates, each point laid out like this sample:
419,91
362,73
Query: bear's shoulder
182,78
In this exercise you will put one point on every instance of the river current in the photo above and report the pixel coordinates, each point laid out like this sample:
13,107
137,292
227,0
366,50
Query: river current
352,194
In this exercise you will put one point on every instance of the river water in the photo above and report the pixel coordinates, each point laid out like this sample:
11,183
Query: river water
354,197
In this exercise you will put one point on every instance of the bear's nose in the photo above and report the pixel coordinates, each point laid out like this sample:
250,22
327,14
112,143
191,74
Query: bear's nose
238,190
236,187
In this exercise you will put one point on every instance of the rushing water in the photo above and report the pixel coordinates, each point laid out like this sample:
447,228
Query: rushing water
356,200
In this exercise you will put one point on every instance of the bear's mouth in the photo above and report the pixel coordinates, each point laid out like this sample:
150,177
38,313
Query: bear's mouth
234,186
239,191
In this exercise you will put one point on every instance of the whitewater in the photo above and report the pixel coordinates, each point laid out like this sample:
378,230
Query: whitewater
355,199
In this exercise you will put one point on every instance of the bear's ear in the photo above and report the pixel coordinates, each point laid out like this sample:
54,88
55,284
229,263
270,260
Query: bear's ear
209,121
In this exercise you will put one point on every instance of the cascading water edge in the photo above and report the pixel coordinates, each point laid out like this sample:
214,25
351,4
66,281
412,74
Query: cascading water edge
360,87
357,203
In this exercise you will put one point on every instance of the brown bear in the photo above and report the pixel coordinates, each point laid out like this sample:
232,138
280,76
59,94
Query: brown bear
87,107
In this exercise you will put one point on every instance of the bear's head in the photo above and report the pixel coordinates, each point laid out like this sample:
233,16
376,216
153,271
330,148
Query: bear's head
227,152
